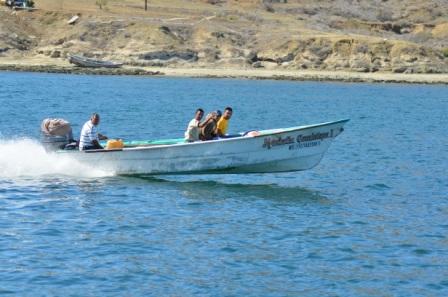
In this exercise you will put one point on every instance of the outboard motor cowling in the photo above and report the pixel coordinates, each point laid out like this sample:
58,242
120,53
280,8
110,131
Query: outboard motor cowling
56,134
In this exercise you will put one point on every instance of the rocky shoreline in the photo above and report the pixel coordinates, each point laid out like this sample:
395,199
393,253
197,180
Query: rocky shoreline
260,74
76,70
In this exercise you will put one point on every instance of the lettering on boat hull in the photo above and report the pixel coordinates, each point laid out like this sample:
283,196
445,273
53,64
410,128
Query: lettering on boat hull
270,142
299,141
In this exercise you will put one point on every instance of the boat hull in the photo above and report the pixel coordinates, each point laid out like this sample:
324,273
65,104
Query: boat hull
279,150
91,63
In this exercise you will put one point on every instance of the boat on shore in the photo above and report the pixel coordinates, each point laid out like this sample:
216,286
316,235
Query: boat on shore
92,63
275,150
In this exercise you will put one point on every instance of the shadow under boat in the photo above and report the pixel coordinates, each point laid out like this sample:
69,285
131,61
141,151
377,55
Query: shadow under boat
214,190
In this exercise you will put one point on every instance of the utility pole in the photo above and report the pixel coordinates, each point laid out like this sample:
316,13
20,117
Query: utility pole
146,5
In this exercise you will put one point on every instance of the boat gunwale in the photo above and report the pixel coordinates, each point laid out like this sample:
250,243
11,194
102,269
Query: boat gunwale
83,61
159,146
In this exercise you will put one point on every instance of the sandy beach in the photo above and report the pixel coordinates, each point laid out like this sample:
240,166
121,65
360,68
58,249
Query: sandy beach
45,64
307,75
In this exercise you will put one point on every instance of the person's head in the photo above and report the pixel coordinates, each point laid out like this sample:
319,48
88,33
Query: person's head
199,114
95,119
218,114
228,113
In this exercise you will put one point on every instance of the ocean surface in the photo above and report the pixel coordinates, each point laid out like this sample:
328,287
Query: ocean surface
370,220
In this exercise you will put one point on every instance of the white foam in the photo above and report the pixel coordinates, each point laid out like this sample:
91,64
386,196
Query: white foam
28,158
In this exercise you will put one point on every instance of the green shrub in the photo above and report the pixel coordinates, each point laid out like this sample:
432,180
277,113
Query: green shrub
232,18
101,3
445,52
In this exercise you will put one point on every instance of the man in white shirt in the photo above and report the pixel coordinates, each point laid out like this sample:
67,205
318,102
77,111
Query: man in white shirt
192,133
90,137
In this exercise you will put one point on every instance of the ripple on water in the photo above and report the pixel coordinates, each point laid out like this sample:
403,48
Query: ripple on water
422,252
370,220
378,186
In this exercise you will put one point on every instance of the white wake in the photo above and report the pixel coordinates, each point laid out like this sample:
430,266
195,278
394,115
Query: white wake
28,158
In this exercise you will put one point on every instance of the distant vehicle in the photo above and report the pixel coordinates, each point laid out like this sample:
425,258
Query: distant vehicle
20,3
16,3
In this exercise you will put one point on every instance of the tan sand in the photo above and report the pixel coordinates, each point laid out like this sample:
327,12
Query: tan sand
45,64
306,75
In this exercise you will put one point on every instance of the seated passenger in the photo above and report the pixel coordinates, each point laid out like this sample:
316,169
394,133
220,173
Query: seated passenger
209,130
224,122
90,137
192,133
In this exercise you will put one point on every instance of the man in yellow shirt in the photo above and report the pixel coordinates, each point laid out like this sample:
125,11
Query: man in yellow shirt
223,123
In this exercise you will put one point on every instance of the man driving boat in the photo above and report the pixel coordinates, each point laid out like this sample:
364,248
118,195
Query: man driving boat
89,139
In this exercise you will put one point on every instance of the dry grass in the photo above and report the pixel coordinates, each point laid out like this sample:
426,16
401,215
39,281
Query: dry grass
227,31
294,16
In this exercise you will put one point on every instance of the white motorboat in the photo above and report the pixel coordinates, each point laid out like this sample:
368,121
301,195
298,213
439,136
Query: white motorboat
276,150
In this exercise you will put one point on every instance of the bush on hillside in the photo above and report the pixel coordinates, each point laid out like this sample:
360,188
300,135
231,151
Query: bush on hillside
215,2
445,52
101,3
384,16
421,37
268,6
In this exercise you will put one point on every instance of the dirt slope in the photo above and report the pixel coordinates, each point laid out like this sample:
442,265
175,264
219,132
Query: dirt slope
351,35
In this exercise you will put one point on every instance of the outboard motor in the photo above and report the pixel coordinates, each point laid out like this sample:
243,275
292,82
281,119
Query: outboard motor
57,134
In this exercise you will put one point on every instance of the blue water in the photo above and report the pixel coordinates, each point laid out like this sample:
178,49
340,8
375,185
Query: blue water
370,220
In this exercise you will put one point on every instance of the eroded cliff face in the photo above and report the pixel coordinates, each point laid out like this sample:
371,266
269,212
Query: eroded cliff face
361,55
242,34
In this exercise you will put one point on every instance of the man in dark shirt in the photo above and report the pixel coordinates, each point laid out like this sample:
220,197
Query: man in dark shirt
210,129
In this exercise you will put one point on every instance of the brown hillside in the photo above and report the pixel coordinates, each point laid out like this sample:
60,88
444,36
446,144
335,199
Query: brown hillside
356,35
